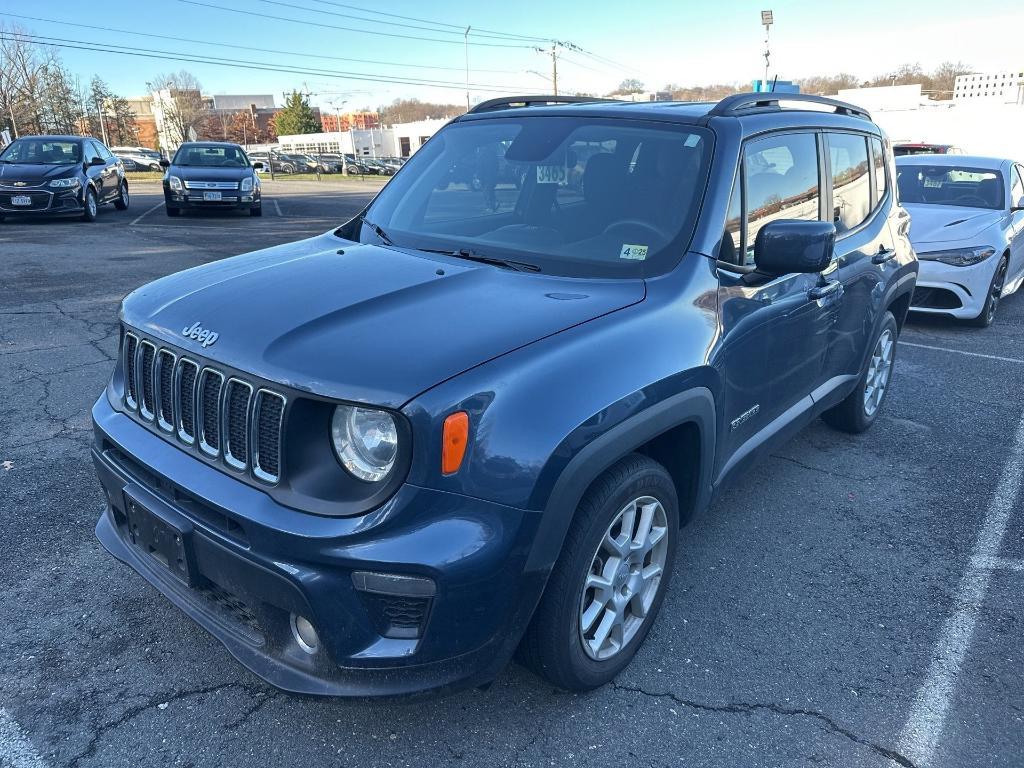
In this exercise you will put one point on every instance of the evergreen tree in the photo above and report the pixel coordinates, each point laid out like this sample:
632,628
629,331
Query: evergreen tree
296,117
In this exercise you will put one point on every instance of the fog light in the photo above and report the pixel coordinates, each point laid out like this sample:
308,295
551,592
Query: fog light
305,634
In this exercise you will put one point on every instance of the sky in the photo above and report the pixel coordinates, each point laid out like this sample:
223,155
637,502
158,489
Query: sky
654,41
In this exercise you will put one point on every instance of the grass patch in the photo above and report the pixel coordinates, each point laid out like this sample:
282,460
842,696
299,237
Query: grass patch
144,175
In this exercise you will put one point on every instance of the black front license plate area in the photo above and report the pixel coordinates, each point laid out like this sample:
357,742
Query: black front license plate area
165,542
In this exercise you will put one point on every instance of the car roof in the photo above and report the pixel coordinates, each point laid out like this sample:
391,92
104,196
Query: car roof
209,144
754,111
57,137
968,161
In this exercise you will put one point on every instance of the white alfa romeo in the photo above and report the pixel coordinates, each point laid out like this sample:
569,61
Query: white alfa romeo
967,226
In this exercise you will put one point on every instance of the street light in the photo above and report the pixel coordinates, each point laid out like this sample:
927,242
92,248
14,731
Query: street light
767,18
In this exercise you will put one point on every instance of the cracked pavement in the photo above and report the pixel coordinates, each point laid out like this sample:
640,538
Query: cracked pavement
799,625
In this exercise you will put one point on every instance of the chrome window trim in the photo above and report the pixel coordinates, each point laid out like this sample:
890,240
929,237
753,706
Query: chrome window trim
144,412
166,426
257,471
206,448
225,434
130,402
178,423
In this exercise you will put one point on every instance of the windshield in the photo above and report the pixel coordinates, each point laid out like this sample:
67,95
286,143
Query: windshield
950,185
213,156
572,195
43,152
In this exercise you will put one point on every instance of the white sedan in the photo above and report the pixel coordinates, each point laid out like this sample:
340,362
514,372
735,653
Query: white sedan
967,226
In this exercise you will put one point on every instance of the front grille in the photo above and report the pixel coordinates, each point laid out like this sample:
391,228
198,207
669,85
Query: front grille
226,418
38,201
211,185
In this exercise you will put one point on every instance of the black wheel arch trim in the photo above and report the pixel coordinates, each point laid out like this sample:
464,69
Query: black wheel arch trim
695,406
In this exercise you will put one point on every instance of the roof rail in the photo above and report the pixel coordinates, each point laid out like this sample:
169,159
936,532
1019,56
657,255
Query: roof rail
505,102
736,104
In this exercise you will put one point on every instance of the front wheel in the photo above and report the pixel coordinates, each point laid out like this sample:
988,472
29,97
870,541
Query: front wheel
861,407
257,211
121,203
610,579
995,292
91,205
172,212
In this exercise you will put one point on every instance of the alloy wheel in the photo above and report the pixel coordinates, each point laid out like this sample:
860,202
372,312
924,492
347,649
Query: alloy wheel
623,579
879,369
90,200
124,195
995,292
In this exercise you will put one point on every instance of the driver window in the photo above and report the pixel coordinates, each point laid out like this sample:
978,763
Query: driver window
782,182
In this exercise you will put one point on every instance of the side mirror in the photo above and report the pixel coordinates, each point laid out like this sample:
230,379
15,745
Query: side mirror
258,165
785,246
165,163
97,161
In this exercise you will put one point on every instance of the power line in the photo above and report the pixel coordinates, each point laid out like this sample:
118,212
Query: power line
348,29
244,64
251,48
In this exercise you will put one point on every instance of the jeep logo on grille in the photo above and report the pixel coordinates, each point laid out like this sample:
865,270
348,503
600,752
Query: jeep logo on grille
204,336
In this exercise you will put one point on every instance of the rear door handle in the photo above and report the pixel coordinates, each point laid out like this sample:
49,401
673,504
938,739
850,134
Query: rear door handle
831,289
883,255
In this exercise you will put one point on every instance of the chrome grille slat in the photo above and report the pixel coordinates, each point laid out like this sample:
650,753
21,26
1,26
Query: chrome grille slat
236,423
145,359
268,415
225,417
211,185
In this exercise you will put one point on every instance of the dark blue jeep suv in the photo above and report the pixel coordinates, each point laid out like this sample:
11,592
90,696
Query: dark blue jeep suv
473,419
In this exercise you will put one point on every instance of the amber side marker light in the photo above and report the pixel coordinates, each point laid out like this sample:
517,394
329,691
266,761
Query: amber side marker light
453,442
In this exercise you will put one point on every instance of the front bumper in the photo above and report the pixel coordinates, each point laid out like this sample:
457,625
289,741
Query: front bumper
192,199
45,202
256,563
958,292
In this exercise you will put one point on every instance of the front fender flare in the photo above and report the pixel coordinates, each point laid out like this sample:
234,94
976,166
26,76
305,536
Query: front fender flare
695,405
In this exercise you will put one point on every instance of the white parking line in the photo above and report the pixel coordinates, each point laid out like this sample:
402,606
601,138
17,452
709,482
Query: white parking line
16,750
923,730
143,215
277,206
962,352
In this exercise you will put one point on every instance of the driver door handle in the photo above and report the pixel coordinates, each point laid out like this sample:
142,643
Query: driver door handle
883,255
832,289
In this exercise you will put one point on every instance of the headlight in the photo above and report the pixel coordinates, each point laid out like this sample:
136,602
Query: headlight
175,183
66,183
365,440
958,257
247,184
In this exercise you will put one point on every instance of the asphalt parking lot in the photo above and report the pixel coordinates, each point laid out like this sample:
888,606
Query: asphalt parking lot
853,601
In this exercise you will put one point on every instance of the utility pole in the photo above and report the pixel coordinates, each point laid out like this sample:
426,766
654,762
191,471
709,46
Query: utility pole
466,39
554,68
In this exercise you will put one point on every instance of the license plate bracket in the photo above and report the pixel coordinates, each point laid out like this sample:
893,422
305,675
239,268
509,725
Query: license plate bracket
211,196
166,540
21,200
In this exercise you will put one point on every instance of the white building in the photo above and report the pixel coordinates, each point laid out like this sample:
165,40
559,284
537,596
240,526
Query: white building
400,140
408,137
998,87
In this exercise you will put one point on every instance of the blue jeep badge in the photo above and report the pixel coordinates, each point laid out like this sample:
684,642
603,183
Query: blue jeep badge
204,336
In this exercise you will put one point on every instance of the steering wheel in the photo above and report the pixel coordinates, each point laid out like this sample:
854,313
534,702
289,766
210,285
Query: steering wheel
971,199
656,233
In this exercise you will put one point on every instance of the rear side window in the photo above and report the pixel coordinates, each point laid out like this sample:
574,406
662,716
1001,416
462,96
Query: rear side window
878,157
782,182
851,188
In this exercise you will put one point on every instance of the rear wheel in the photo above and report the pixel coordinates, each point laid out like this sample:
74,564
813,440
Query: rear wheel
861,407
91,206
995,292
610,579
121,203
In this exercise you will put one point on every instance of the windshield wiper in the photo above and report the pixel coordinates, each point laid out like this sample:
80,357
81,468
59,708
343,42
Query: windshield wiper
468,255
377,230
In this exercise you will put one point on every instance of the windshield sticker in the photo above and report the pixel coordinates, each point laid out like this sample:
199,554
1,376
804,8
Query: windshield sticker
636,252
932,183
551,174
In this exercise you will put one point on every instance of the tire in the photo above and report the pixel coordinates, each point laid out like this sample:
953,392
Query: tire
554,644
257,211
858,412
122,201
92,205
995,290
172,212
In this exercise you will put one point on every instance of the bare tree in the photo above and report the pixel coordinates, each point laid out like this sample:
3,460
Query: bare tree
178,97
22,70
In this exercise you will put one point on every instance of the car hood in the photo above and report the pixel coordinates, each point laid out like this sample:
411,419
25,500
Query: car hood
34,174
942,223
207,173
362,322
